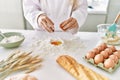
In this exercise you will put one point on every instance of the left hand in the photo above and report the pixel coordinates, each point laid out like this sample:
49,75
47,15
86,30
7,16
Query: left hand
69,24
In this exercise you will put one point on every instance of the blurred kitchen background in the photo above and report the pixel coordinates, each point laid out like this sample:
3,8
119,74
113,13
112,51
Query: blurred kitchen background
99,12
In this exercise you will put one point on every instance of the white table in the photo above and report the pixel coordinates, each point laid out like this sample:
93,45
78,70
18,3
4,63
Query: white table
50,70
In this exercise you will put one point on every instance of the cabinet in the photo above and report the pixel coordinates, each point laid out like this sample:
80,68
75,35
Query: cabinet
92,21
96,15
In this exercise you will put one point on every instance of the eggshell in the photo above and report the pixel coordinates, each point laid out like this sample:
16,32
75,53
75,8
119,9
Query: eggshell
100,48
118,51
109,63
98,58
105,54
117,54
90,54
113,48
96,50
109,51
114,58
104,45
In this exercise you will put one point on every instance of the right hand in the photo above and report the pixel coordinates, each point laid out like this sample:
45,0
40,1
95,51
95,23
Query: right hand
46,23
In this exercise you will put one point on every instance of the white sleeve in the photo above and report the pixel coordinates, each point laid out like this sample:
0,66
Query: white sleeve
80,14
32,10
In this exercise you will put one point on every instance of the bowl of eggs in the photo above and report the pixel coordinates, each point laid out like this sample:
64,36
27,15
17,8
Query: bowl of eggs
105,57
102,30
11,39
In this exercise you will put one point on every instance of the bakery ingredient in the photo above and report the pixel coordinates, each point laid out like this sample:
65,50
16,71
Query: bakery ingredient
96,50
117,54
109,63
19,60
79,71
112,48
11,39
90,54
114,58
108,59
99,59
22,77
56,43
109,51
105,54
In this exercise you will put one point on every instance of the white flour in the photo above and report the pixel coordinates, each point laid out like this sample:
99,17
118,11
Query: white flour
11,39
45,47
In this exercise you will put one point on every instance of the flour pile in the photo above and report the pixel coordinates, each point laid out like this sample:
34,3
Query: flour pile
45,47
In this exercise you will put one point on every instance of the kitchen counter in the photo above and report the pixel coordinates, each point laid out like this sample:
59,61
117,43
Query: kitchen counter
50,70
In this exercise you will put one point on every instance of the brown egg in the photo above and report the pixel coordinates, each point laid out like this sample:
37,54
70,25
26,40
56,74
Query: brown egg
109,51
109,63
118,51
117,54
100,48
90,54
113,48
105,54
96,50
114,58
98,58
104,45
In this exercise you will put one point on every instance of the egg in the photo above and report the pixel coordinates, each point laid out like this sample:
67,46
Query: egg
96,50
114,58
118,51
100,48
109,51
98,58
117,54
109,63
90,54
113,48
105,54
104,45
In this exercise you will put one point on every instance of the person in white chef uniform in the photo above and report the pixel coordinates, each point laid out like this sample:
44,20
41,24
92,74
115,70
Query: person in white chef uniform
56,15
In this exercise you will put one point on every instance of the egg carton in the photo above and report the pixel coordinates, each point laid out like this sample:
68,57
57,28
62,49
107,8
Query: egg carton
101,65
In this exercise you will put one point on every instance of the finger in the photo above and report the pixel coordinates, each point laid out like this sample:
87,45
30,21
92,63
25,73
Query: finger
45,26
69,25
66,22
73,26
50,23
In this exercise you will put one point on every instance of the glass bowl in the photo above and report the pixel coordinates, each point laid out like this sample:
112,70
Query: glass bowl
14,39
102,29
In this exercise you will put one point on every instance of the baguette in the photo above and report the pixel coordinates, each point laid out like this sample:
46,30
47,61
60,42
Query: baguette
77,70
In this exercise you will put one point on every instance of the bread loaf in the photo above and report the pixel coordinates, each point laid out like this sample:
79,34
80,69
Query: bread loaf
77,70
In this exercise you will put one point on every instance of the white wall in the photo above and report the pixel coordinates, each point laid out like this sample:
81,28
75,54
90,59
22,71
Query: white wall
11,14
113,9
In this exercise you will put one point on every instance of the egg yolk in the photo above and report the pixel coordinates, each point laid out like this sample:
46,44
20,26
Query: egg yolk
56,43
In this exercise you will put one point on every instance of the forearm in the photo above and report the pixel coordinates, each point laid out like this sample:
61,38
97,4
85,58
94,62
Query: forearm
31,12
80,14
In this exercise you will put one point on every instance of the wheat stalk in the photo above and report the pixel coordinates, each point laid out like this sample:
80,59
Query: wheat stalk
19,61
